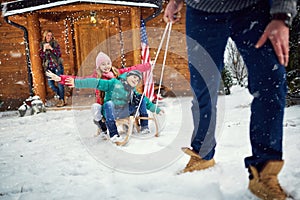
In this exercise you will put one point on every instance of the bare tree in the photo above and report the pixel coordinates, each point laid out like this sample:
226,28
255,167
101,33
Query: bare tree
235,64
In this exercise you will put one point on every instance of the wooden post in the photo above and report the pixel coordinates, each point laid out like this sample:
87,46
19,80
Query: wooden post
34,36
73,68
136,40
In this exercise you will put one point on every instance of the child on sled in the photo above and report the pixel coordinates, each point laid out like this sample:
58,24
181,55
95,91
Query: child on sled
104,70
119,99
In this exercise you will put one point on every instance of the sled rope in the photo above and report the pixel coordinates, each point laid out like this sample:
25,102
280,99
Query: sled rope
133,118
163,66
168,28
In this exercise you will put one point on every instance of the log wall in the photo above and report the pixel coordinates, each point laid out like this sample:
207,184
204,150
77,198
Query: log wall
14,88
13,67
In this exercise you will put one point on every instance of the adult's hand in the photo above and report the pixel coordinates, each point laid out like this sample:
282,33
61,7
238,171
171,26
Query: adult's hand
171,13
278,33
53,76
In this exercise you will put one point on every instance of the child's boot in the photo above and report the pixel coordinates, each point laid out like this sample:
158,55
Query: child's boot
113,132
102,130
145,130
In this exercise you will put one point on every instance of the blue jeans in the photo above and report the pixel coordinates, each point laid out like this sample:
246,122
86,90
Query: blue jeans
113,112
59,89
207,36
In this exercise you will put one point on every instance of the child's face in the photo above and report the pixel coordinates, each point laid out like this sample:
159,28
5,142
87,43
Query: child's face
133,80
105,66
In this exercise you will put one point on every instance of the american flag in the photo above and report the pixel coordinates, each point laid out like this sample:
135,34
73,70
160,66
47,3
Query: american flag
145,54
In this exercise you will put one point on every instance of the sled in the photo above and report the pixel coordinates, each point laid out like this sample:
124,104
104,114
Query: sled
128,121
130,125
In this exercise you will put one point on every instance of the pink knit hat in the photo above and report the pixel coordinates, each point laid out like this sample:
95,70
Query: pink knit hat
102,57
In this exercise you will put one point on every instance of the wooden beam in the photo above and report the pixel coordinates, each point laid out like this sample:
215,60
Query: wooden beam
83,7
36,64
136,39
70,47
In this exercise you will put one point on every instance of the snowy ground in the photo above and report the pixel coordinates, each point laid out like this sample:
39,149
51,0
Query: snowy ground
54,155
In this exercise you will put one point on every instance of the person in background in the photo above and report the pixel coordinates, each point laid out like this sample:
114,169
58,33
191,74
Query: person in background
120,99
51,60
260,30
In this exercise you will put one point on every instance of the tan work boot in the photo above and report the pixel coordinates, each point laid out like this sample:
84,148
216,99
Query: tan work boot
196,163
265,184
60,103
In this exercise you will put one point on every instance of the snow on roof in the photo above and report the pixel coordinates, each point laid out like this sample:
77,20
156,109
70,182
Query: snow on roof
21,6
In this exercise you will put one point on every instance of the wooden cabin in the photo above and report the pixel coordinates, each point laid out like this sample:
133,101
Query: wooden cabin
83,28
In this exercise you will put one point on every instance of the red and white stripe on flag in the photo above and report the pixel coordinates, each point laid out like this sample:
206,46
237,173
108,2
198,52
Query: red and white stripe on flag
145,54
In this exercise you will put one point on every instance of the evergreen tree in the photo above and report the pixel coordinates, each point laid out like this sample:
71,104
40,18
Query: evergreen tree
293,69
227,80
294,60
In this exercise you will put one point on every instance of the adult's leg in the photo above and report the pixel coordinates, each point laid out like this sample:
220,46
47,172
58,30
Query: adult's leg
267,84
52,85
61,88
207,37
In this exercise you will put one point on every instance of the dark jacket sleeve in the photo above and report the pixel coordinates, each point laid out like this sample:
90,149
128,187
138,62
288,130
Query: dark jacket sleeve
286,6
